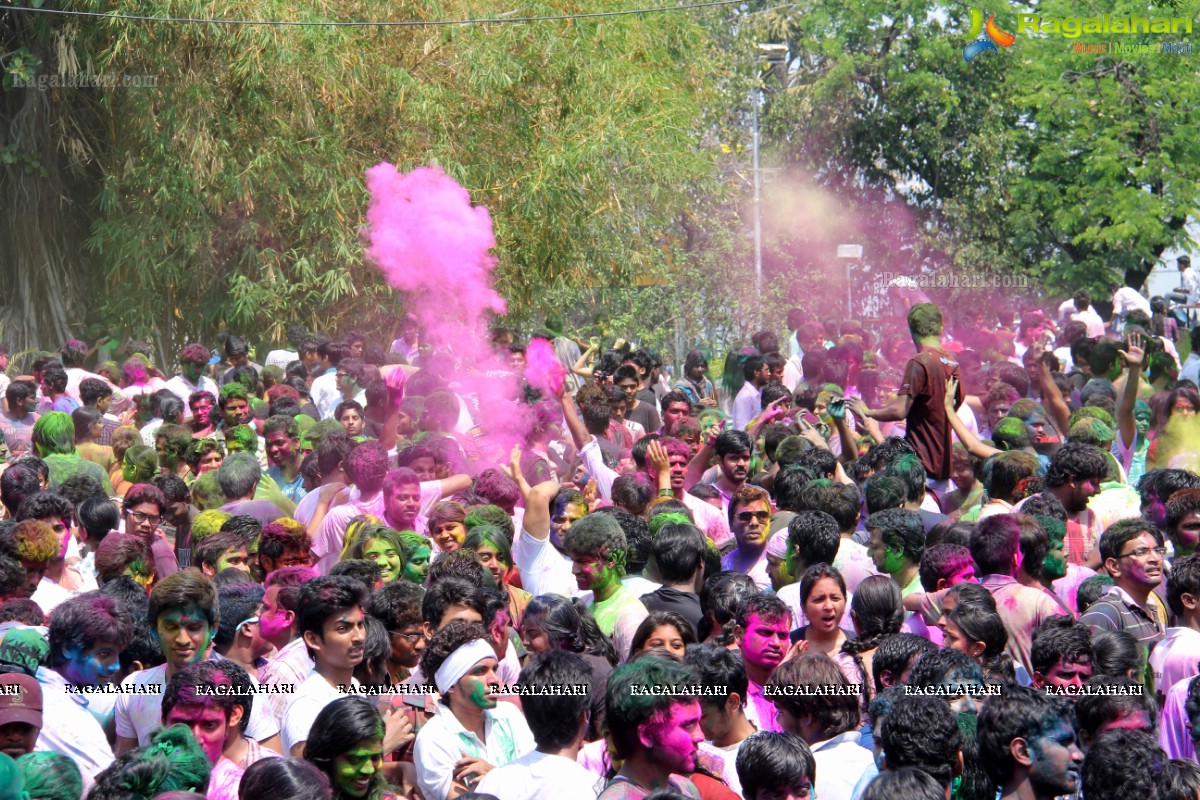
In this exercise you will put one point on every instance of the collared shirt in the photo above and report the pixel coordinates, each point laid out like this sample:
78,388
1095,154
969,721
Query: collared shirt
761,710
291,664
444,741
1116,610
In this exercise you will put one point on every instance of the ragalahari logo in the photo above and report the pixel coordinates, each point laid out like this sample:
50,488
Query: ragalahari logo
985,37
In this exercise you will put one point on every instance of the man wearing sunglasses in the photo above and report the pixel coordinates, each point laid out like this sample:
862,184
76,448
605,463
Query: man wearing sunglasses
1133,555
142,513
750,521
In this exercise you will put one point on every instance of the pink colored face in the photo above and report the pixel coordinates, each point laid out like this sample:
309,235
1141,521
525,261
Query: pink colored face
207,723
272,618
764,642
675,737
964,575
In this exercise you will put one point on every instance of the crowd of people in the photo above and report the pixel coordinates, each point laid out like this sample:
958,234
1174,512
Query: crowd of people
886,559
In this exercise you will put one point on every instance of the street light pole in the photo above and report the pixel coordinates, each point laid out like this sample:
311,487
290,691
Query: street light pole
770,54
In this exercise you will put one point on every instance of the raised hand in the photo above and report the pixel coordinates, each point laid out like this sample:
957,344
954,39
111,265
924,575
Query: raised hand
1135,356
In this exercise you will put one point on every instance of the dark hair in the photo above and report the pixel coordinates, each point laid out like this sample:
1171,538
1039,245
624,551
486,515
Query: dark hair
678,551
449,592
1075,461
461,564
1095,709
732,442
773,761
555,719
80,487
721,601
980,624
187,589
626,710
900,529
835,713
945,667
878,610
324,597
1060,639
79,622
397,605
1124,531
906,783
239,602
208,551
895,654
1184,579
1118,653
17,483
657,619
569,625
197,684
340,726
841,501
994,544
921,731
23,610
1090,591
1019,712
814,536
45,505
291,778
941,562
452,636
719,666
1121,764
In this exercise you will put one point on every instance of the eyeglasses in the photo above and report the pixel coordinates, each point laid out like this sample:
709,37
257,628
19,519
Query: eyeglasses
295,562
412,638
245,622
140,517
1142,552
750,516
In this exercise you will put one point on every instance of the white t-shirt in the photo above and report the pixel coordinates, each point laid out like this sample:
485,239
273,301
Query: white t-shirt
281,358
541,776
302,710
49,595
69,728
182,388
140,715
543,569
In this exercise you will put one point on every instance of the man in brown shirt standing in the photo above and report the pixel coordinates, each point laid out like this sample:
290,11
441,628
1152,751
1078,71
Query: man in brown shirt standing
921,399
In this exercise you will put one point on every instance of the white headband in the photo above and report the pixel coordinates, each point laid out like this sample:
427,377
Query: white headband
460,662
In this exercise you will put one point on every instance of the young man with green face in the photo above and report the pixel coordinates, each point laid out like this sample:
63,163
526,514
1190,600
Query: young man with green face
896,545
474,733
183,614
596,545
223,550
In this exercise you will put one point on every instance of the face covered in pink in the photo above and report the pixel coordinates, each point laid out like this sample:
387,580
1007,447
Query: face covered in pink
765,642
674,737
207,723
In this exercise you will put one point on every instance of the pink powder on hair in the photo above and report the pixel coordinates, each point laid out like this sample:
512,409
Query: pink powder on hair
544,371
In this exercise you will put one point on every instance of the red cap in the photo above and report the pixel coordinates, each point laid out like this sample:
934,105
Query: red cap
20,699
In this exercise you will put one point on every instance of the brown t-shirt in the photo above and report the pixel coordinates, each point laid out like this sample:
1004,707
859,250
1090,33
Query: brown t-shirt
927,428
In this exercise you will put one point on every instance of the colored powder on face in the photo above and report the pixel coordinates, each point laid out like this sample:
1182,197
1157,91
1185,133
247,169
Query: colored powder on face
544,373
479,695
429,242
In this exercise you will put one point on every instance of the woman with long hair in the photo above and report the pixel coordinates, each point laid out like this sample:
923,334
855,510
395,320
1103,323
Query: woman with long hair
554,622
973,629
823,596
877,611
346,743
664,629
491,547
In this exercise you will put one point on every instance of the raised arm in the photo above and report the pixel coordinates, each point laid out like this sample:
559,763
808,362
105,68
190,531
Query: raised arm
968,439
1134,358
699,463
1052,399
537,510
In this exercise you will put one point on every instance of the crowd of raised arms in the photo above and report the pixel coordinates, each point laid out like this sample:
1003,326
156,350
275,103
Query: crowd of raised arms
888,559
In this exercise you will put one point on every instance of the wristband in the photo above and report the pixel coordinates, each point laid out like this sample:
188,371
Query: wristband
665,493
